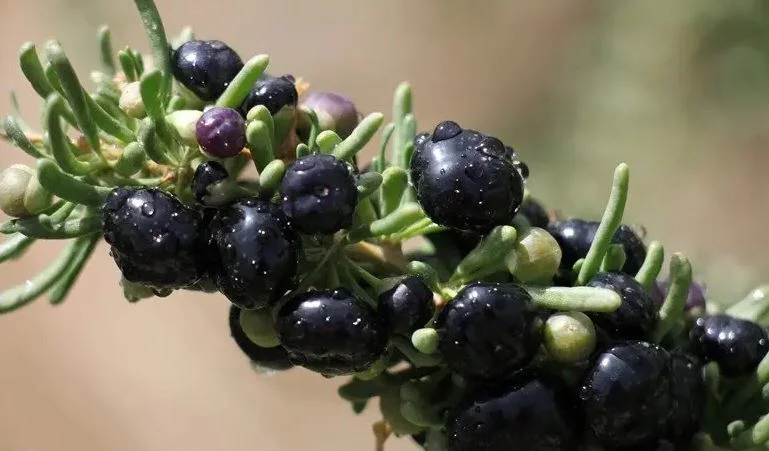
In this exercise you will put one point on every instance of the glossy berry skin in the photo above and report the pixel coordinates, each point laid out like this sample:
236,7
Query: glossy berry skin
407,306
464,179
331,332
254,253
527,414
688,392
270,358
735,344
221,132
205,67
489,331
155,240
575,236
535,213
626,395
274,93
207,175
635,317
318,194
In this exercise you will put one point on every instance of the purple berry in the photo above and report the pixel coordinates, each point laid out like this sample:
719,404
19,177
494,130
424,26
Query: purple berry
334,112
695,298
221,132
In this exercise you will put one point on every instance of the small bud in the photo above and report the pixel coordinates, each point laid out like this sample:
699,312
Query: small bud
21,194
334,112
569,336
184,122
536,257
259,327
131,101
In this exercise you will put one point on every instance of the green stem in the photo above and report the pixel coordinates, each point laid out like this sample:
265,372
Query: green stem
67,187
488,256
241,85
757,434
359,137
402,106
127,65
64,284
319,267
610,222
415,357
754,307
352,283
327,141
271,176
575,299
35,228
427,273
260,140
675,301
652,265
367,184
261,113
151,90
381,161
396,221
107,123
314,126
13,246
106,53
374,281
161,51
394,183
614,259
61,147
22,294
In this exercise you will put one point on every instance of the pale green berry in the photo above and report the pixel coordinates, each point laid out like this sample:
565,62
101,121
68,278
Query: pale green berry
131,101
536,258
259,327
184,122
569,336
21,194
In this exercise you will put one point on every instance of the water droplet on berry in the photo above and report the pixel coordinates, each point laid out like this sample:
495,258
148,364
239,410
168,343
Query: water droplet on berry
491,147
474,171
446,130
322,191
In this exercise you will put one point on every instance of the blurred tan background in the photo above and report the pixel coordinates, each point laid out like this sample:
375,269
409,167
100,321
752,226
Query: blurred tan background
676,89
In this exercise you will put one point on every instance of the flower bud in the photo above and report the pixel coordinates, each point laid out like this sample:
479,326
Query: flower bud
569,336
536,257
334,112
131,101
184,122
21,194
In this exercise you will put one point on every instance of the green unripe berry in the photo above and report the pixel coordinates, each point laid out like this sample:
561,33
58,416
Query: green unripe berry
131,101
569,336
21,195
390,407
425,340
536,258
259,327
184,122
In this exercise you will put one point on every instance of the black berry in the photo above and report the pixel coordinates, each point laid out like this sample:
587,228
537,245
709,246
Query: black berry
221,132
154,239
735,344
626,394
207,176
527,414
464,179
254,253
331,332
270,358
318,194
274,93
205,67
688,392
532,210
407,306
575,236
635,317
489,330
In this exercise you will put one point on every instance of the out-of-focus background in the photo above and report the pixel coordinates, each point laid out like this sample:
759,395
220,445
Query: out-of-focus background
677,89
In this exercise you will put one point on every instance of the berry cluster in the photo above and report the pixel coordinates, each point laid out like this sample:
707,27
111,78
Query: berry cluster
430,277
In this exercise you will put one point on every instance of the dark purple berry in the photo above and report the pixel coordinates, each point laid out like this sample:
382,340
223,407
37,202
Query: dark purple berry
737,345
407,306
208,175
688,391
334,112
532,210
221,132
274,93
331,332
635,317
318,194
254,253
695,298
489,331
205,67
523,168
464,180
626,395
575,236
155,240
270,358
526,414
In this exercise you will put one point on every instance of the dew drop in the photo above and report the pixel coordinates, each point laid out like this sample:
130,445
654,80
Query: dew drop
322,191
474,171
